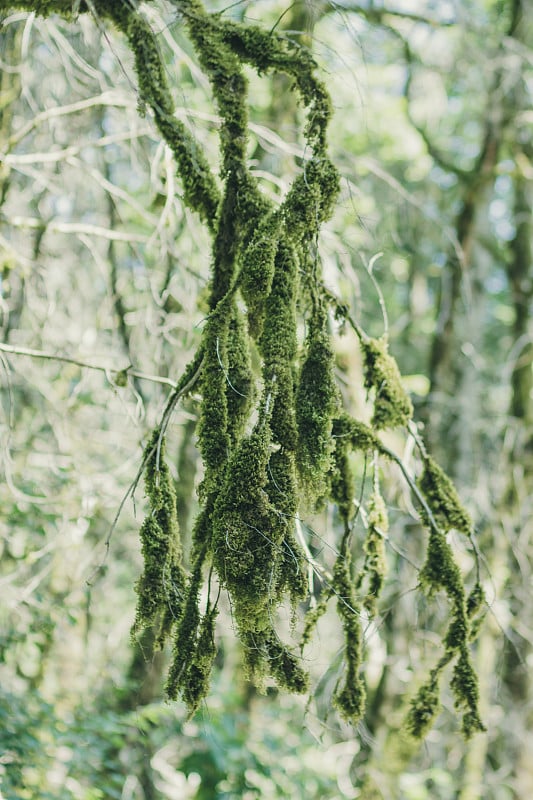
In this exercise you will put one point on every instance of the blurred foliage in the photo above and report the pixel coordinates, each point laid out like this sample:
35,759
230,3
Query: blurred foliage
101,263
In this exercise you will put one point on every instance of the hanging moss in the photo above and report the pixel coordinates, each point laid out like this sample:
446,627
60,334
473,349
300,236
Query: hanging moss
286,667
258,264
199,668
278,346
443,499
342,478
441,572
240,389
374,547
312,617
245,534
186,633
424,708
199,186
349,435
316,404
392,406
161,588
350,697
476,609
213,425
291,565
264,454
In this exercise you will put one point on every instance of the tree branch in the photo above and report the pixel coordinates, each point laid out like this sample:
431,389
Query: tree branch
25,351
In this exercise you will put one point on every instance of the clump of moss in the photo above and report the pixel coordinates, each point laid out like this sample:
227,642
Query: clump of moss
186,631
424,708
440,571
247,534
316,404
374,548
200,665
161,587
278,346
291,565
286,667
258,264
443,499
240,388
392,406
350,697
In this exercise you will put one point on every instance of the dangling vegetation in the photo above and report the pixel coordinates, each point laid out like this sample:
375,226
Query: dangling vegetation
275,441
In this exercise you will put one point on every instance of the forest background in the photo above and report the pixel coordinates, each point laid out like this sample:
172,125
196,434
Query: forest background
103,294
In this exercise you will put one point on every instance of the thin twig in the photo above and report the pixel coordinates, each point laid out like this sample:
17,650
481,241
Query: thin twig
25,351
181,388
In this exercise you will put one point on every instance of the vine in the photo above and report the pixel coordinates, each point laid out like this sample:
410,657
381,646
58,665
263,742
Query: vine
276,443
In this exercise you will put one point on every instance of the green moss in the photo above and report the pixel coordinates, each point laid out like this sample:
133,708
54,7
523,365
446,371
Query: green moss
258,264
286,667
240,389
374,547
466,692
245,535
198,676
291,566
213,434
441,572
316,405
311,199
342,477
424,708
186,632
161,588
43,8
442,498
349,698
312,617
278,346
348,435
356,434
199,186
392,406
476,609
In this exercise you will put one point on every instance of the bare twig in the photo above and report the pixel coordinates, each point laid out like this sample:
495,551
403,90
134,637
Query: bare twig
25,351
